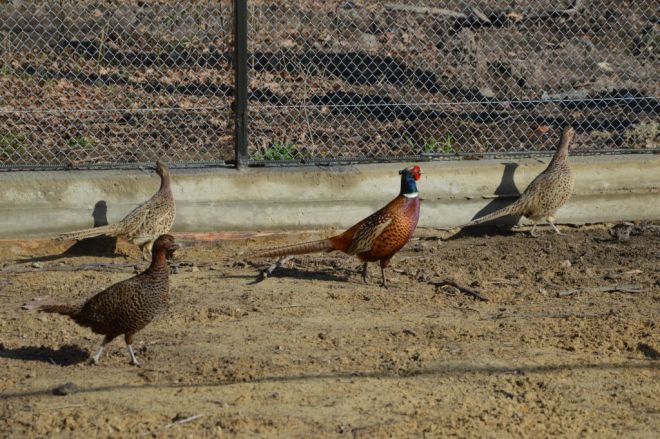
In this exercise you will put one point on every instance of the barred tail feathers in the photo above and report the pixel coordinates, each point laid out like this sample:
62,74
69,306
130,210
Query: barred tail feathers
64,309
87,233
511,209
296,249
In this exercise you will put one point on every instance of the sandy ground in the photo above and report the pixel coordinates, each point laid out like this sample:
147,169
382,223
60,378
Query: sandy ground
312,351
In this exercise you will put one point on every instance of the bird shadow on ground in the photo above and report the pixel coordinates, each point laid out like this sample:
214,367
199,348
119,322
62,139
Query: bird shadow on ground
294,273
507,193
67,355
97,246
648,351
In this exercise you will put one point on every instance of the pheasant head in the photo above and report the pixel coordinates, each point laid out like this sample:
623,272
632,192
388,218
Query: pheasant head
164,247
409,178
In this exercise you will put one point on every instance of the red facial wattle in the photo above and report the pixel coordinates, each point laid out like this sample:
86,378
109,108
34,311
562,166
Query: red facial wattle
416,172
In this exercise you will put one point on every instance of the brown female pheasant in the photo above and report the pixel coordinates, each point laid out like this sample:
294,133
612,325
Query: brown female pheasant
546,193
374,239
145,223
125,307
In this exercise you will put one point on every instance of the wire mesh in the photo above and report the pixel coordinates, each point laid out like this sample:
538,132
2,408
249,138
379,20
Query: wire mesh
114,82
383,80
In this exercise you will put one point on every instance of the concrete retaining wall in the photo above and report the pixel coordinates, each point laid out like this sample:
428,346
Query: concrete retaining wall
607,188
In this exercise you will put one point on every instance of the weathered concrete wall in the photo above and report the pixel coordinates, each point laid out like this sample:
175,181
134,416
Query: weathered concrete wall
608,188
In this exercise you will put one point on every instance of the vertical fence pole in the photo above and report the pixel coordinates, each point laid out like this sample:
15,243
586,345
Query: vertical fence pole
240,82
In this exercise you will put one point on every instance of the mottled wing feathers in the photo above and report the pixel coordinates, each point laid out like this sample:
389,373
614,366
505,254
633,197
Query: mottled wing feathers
109,304
370,229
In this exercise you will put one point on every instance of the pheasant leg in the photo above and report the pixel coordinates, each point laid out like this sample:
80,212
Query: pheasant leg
146,252
533,231
95,359
552,223
128,338
382,271
134,360
365,273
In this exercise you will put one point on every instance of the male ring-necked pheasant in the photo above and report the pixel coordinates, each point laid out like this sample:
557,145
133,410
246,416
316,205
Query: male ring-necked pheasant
125,307
546,193
145,223
374,239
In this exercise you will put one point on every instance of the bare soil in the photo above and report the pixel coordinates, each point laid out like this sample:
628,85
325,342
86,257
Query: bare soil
312,351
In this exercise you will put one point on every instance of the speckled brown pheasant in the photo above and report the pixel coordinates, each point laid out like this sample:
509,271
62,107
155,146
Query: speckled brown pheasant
546,193
127,306
374,239
145,223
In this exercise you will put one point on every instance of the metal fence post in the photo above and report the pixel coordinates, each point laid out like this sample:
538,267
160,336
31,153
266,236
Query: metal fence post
240,82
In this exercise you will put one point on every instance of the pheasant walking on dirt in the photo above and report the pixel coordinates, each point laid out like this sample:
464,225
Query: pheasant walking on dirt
145,223
374,239
546,193
125,307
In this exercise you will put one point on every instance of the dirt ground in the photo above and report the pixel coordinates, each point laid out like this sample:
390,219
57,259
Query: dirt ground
311,351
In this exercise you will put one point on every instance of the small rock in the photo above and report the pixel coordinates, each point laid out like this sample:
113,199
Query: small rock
605,66
65,389
486,92
344,428
369,42
566,264
275,395
31,374
37,265
409,332
194,269
622,231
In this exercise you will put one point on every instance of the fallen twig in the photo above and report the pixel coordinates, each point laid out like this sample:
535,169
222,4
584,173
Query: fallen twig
467,290
424,10
92,267
575,8
73,164
294,306
65,407
548,315
632,289
183,421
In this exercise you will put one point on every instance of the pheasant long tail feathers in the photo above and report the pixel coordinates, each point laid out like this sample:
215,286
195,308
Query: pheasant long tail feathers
64,309
88,233
296,249
511,209
49,305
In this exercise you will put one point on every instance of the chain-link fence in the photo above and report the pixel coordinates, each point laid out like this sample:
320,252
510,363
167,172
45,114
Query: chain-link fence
86,83
114,82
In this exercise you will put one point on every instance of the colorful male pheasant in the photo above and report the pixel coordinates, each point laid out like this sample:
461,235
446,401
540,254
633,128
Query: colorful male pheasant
374,239
125,307
145,223
546,193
